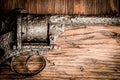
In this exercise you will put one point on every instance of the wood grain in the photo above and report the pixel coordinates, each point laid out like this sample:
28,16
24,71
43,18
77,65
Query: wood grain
87,53
82,7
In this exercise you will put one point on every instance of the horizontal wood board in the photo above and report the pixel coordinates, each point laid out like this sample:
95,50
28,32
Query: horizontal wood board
87,53
82,7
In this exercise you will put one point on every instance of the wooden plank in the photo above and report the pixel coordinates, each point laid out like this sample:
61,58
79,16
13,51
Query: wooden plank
82,7
86,53
51,8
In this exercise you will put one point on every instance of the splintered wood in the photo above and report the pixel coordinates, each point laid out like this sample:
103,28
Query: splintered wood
87,53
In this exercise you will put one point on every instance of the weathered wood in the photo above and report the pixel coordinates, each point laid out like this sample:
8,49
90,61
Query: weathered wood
87,53
82,7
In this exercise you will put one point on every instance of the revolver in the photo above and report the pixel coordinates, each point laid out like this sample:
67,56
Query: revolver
25,38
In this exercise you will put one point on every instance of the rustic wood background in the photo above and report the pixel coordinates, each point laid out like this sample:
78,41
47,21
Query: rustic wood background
87,53
82,7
